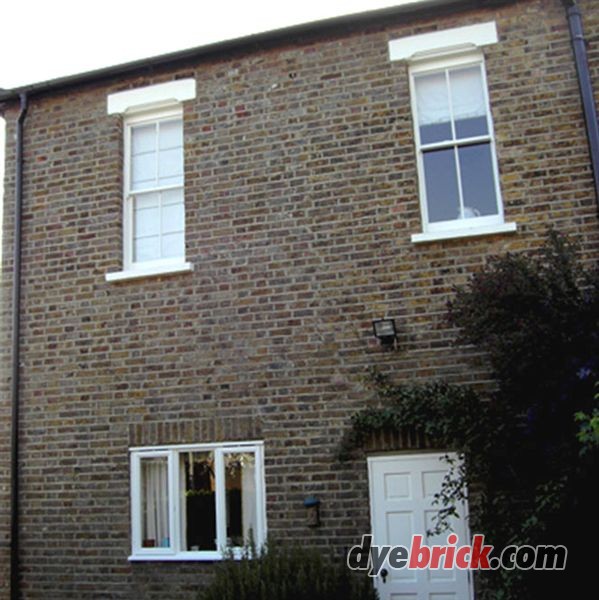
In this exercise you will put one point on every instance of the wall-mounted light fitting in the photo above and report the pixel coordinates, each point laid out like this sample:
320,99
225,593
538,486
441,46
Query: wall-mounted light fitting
385,331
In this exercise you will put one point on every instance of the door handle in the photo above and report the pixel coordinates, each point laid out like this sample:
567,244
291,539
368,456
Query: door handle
384,574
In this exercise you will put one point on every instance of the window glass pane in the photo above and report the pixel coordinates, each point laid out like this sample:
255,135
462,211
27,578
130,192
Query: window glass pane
173,245
149,200
240,470
147,248
468,102
173,218
147,222
155,503
478,181
171,134
433,108
442,195
172,197
143,171
471,127
170,167
143,139
198,525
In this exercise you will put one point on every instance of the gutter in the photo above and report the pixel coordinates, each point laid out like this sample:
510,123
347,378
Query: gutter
16,356
586,87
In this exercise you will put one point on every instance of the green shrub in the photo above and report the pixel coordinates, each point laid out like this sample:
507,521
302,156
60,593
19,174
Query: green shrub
287,573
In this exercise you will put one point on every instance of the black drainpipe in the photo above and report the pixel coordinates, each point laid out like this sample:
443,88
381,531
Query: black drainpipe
586,87
16,323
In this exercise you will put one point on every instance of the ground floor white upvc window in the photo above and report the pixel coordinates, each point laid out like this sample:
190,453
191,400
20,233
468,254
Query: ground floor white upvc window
196,502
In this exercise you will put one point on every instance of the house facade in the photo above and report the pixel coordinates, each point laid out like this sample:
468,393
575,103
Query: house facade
207,239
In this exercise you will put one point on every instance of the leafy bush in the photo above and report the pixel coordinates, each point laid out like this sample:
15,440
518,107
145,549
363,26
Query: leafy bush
287,573
537,320
588,428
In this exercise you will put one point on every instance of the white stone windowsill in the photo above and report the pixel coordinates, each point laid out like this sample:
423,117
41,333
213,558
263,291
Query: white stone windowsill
182,557
450,234
154,271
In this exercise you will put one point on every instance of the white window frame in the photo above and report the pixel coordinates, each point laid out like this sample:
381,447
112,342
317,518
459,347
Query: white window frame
474,225
436,51
172,452
129,196
145,105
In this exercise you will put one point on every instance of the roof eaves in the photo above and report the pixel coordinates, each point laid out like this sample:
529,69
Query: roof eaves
246,42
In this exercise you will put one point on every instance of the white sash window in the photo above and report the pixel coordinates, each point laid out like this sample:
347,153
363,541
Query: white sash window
153,178
154,207
453,131
456,151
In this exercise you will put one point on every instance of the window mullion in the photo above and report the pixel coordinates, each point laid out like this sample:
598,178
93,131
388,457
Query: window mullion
221,507
156,153
160,224
450,104
182,503
172,500
455,147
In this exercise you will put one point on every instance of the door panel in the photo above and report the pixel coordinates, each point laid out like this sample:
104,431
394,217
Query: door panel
402,489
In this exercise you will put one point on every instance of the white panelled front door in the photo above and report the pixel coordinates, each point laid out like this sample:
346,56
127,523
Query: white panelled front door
402,489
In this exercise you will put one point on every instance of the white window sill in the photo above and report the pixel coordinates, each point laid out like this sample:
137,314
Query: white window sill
150,271
182,557
450,234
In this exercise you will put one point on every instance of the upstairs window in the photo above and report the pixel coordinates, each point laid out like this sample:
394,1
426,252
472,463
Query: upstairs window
153,178
453,131
459,182
194,502
154,204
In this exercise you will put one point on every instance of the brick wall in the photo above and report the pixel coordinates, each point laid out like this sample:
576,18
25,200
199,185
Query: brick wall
301,196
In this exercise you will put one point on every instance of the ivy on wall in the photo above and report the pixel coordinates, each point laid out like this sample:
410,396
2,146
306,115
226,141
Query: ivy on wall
528,478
